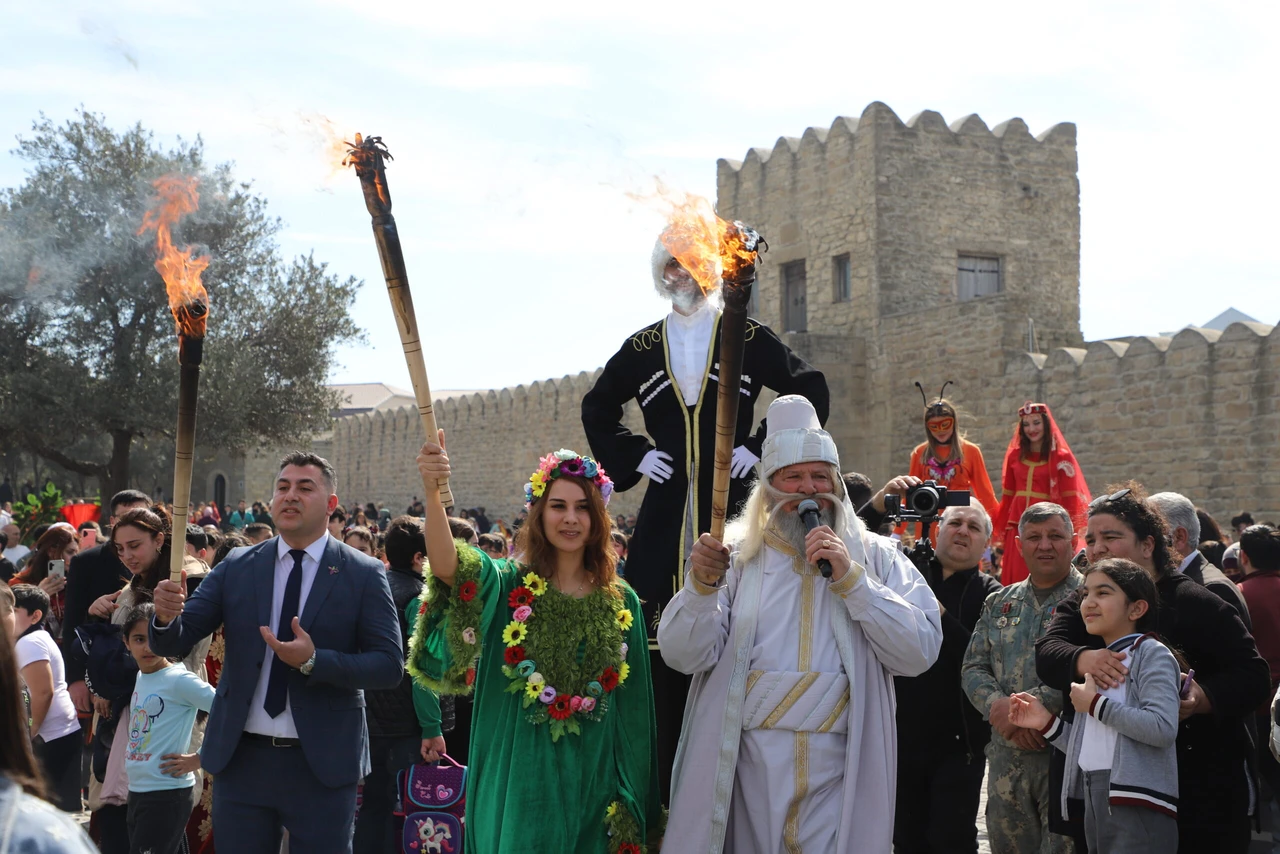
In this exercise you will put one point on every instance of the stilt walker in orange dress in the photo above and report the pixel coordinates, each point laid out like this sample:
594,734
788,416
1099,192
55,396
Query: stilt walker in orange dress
947,457
1038,466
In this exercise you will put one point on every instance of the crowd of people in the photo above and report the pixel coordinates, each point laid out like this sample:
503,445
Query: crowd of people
1137,656
840,671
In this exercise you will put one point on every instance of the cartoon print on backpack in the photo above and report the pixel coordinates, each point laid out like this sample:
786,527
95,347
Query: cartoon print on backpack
433,837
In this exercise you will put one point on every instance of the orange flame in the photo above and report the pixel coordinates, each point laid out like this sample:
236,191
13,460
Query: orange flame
704,244
327,138
180,268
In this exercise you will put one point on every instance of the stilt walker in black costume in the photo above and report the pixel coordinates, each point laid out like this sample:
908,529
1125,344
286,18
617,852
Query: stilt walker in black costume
670,367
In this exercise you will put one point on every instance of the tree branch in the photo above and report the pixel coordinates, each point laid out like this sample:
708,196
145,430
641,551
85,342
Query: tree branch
53,455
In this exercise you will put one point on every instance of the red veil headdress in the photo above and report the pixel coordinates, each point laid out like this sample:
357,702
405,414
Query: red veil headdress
1065,478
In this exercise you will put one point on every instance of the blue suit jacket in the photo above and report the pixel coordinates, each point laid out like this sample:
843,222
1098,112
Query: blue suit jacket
352,620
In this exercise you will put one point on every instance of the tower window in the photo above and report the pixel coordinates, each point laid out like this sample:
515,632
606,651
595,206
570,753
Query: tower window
795,314
977,276
841,278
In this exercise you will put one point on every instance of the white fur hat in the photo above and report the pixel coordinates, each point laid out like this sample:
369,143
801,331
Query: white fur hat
658,262
795,436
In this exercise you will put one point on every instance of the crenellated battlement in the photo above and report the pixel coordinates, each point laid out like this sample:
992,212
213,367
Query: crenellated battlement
877,115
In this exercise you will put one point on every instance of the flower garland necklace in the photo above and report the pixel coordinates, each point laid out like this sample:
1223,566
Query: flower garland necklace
564,683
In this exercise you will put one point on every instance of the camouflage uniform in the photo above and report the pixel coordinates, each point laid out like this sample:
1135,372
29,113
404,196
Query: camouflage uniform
1000,661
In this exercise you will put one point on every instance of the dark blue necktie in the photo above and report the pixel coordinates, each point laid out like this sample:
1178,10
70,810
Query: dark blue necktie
278,681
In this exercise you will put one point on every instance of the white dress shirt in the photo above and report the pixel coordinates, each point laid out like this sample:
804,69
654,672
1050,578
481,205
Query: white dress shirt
689,343
1186,561
259,721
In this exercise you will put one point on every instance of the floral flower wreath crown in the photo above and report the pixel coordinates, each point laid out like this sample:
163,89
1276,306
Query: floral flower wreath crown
566,463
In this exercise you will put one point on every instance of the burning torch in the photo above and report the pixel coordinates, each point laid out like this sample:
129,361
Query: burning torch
369,157
189,302
720,254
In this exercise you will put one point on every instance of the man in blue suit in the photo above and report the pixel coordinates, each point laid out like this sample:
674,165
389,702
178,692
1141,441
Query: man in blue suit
310,624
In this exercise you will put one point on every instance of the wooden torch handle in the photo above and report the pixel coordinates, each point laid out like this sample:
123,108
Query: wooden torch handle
733,328
183,457
393,269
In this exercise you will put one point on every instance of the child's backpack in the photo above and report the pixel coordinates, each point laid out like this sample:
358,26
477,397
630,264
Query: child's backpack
433,800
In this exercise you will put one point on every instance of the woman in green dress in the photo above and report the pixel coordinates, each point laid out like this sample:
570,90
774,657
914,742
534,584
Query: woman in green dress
563,754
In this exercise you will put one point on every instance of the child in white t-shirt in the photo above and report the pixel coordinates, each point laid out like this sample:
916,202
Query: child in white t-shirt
55,727
162,713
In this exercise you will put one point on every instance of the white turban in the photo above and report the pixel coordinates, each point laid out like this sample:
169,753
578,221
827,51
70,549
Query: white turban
795,436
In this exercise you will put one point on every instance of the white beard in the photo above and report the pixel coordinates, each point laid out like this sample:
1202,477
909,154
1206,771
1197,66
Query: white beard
684,299
791,527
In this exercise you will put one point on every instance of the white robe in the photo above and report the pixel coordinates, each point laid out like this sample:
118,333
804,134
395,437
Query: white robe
734,789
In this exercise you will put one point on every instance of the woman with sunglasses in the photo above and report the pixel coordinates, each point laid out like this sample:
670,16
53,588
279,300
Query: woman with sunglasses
1230,679
1038,466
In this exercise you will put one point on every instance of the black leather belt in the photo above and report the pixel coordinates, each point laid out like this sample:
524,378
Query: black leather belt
273,740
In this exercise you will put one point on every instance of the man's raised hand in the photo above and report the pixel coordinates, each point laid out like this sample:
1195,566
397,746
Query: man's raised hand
709,560
294,653
898,486
170,598
822,543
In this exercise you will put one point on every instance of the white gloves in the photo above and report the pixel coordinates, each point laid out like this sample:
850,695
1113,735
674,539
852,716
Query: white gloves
743,462
655,466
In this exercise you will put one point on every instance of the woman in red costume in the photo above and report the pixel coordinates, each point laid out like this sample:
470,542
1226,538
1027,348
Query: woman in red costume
1038,466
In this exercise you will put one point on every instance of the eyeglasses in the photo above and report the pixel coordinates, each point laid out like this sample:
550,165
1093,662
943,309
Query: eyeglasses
1107,499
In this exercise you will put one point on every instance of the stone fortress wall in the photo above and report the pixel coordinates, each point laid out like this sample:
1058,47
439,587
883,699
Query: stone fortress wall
494,442
1194,413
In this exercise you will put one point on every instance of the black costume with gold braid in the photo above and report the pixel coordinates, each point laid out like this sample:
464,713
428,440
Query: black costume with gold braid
641,370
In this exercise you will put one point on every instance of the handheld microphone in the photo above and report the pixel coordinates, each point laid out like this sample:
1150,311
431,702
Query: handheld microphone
808,510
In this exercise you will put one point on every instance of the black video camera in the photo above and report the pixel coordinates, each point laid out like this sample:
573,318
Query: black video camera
923,504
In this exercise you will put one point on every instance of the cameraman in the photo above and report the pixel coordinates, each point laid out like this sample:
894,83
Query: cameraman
941,736
872,512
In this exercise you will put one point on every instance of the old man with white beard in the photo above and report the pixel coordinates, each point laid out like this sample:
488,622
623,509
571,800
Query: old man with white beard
789,739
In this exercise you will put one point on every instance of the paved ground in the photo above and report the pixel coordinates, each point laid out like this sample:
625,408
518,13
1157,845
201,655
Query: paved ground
1261,841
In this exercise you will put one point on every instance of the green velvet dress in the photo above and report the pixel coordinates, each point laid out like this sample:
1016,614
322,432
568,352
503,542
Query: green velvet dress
528,791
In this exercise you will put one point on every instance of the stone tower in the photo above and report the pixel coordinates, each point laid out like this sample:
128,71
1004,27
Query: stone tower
903,252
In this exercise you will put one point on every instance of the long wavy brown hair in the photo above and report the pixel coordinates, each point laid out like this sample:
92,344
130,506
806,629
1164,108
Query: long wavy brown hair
49,547
599,558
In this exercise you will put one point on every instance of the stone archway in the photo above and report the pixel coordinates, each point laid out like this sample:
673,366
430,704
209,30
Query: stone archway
220,492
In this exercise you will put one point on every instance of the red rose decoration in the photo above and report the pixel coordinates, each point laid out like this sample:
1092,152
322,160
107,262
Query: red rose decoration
559,710
513,655
422,609
628,848
609,679
471,676
467,591
520,596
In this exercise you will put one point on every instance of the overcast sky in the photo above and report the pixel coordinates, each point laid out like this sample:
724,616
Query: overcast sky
519,129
